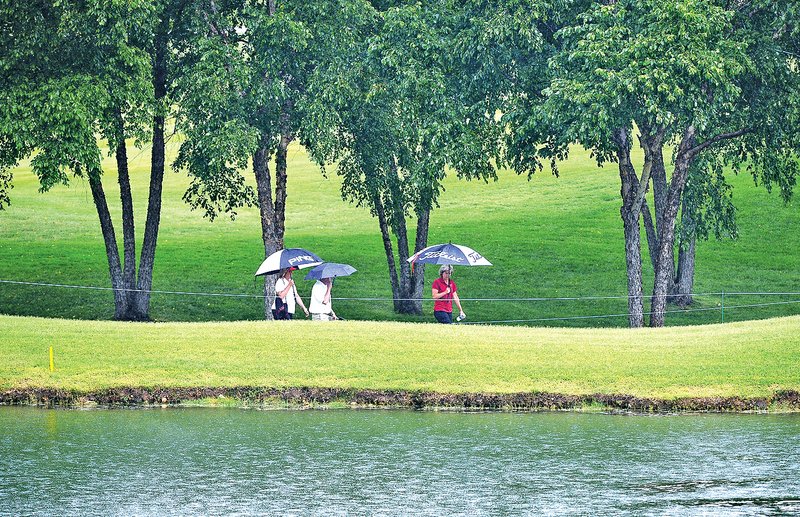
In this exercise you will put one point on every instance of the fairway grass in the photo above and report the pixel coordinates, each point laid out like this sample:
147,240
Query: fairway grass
743,359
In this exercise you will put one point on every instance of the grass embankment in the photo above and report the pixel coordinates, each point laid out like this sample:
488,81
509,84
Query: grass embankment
739,360
550,237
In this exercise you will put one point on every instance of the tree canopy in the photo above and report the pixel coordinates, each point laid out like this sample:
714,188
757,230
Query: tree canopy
398,94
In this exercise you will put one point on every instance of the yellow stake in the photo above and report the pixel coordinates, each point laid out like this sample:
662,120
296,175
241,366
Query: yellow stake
52,364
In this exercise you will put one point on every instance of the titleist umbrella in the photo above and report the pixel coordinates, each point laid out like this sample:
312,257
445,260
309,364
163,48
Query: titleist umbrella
330,270
455,254
296,258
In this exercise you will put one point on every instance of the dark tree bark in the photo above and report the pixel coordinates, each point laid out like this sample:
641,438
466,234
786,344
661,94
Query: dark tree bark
665,265
281,172
632,192
141,306
684,277
267,211
418,276
126,200
408,299
680,290
388,249
651,233
652,142
110,240
406,285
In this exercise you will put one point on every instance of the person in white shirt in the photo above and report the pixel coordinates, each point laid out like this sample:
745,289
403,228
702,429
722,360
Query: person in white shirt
287,292
320,305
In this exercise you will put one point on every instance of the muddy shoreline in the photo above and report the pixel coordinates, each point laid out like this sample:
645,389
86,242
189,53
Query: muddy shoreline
321,397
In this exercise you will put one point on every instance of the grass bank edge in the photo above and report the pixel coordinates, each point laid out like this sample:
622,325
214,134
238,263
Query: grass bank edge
780,403
747,360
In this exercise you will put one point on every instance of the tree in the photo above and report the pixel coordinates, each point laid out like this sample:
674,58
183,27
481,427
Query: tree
698,75
253,65
396,118
72,70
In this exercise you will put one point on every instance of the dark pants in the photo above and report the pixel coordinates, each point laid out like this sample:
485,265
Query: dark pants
282,315
443,317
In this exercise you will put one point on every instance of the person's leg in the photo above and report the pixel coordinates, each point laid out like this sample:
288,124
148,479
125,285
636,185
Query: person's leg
274,314
289,315
443,317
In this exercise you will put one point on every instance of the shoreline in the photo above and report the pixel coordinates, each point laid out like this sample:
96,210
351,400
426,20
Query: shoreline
786,401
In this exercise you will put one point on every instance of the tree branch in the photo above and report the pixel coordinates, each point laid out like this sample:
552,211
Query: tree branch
694,151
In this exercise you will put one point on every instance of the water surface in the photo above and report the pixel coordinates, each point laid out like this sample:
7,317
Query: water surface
195,461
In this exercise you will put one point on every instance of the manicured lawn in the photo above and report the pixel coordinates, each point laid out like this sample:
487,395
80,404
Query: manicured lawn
747,359
548,238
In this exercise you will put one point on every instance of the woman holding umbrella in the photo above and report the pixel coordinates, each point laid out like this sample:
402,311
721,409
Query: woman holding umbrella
286,291
444,292
320,306
444,289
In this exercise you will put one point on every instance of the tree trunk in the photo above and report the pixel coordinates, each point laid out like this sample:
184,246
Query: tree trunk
684,281
387,248
629,211
126,200
652,142
418,277
110,240
157,160
665,266
633,263
400,230
267,211
681,288
281,172
406,283
651,232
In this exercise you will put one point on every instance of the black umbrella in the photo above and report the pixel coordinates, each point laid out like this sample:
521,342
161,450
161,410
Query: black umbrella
297,258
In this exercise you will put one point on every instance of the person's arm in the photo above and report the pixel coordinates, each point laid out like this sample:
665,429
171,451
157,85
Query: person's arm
326,300
458,302
282,294
299,300
436,294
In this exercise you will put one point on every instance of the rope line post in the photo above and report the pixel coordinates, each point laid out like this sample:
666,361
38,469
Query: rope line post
722,306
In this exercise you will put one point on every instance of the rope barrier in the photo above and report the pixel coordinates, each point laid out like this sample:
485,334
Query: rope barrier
42,284
625,315
531,320
372,299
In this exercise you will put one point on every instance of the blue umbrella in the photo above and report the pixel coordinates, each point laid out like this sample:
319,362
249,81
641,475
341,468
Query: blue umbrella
455,254
296,258
330,270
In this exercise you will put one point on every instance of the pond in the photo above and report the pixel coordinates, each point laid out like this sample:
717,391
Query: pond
200,461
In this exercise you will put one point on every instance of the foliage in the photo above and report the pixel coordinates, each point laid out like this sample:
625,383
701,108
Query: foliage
252,72
66,68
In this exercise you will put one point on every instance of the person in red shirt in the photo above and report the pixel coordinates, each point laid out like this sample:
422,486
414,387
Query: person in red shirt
444,291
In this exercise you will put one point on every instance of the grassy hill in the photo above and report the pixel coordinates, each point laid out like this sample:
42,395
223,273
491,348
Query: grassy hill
547,238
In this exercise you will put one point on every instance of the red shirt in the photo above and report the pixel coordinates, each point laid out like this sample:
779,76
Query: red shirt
445,303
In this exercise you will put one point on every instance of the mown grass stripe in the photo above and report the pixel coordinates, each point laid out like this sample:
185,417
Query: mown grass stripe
746,359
